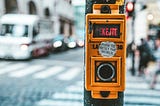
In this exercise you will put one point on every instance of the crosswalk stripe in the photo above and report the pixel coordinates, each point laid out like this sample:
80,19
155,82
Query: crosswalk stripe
74,88
132,85
26,71
80,83
58,103
67,96
2,64
49,72
70,74
138,93
12,67
142,100
142,92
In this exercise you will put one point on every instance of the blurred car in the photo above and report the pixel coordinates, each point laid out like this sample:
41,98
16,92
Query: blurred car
58,43
21,37
71,42
80,42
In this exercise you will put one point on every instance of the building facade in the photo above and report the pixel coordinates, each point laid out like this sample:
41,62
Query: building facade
144,18
60,12
79,11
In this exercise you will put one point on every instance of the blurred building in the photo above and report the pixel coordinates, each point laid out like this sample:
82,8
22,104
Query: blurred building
153,20
59,12
79,11
144,19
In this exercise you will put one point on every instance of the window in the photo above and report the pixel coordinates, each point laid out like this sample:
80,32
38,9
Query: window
14,30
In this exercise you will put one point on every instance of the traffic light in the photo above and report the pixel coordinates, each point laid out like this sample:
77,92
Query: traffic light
130,9
105,51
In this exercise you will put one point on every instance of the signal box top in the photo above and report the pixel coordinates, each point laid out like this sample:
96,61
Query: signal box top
119,2
105,26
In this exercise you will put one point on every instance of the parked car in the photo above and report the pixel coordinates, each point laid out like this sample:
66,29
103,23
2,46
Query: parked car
71,42
80,42
58,43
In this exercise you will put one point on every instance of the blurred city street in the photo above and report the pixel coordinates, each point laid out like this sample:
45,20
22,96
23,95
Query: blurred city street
57,80
42,52
138,91
47,81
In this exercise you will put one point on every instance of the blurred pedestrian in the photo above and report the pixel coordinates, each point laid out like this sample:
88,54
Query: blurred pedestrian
131,48
151,43
145,54
131,55
157,55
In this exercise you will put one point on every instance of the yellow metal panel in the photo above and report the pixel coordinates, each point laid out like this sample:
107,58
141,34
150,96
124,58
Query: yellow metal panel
95,61
112,95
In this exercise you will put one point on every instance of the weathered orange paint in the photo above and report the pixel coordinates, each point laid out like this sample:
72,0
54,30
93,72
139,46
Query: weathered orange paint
93,58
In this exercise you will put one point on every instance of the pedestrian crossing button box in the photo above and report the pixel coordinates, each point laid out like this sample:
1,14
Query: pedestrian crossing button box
105,54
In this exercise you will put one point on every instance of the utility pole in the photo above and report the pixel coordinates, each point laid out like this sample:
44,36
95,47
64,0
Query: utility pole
130,10
133,39
90,96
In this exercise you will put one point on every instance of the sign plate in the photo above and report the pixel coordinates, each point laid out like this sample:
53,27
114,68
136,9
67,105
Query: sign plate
106,30
107,49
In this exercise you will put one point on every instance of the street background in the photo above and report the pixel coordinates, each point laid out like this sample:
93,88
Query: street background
58,78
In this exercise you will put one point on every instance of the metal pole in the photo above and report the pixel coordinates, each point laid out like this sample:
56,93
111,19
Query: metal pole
88,100
133,41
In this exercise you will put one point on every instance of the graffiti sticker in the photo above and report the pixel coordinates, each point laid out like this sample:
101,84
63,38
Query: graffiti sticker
107,49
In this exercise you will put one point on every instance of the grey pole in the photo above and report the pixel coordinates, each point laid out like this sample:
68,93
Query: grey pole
88,100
